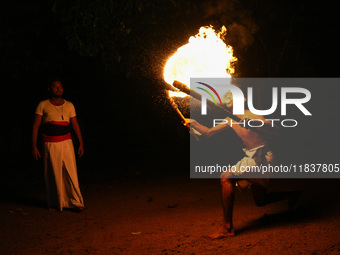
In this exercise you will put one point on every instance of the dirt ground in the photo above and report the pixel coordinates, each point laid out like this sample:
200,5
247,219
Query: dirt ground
167,214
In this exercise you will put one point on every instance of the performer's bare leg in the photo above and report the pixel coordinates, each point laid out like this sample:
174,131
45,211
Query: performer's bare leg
262,197
227,187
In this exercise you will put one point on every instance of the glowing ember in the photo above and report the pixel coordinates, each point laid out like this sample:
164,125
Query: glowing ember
206,55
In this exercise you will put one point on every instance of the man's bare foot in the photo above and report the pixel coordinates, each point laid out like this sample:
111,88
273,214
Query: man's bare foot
222,233
77,209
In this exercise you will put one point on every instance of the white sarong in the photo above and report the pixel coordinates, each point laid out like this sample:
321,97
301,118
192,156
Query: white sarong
61,177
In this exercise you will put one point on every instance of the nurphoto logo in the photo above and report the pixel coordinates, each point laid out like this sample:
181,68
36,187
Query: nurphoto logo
231,98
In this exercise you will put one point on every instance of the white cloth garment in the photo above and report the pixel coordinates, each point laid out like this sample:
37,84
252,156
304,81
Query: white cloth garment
50,112
61,175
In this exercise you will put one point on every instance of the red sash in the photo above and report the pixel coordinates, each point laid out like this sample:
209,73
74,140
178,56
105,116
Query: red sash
57,138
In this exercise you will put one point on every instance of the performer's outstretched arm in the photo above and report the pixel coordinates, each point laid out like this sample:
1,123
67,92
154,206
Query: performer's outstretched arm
205,130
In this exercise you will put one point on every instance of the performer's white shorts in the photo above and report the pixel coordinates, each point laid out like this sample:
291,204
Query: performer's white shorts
255,157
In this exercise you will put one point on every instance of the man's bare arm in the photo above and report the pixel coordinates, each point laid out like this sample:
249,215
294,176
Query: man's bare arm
36,124
76,129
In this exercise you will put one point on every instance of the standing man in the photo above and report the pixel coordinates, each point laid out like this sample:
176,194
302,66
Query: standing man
57,116
257,152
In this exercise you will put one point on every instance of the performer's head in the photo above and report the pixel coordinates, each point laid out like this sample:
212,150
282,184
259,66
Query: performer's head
56,89
228,99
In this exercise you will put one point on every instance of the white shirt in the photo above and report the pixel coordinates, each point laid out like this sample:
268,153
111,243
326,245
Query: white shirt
51,112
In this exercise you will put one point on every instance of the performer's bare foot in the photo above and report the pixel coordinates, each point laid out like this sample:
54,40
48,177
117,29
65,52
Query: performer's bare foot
222,233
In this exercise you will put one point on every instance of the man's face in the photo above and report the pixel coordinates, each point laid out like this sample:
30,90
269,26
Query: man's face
56,89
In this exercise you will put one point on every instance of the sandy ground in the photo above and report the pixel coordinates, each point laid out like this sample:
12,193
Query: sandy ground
167,214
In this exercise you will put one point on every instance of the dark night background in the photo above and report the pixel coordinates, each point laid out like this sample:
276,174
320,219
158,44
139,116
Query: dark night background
110,56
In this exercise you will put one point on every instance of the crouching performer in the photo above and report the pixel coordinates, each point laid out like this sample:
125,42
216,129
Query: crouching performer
257,152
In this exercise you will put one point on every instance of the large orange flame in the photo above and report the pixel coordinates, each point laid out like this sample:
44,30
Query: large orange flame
205,56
